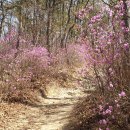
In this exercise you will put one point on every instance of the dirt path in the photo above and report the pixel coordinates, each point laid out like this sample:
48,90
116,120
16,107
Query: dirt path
59,107
51,114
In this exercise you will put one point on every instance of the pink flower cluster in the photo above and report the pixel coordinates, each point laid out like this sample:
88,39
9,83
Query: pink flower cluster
37,54
81,14
122,94
96,18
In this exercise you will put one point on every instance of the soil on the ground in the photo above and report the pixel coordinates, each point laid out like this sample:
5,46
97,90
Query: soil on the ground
52,114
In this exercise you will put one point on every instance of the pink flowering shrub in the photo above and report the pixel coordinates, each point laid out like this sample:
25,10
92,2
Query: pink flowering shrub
72,56
35,57
28,69
20,71
108,52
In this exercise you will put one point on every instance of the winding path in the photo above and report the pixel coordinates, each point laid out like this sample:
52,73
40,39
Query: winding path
52,113
57,109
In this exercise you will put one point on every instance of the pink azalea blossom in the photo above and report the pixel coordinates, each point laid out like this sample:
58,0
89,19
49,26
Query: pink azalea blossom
111,85
122,94
110,107
108,111
117,105
126,46
100,107
104,122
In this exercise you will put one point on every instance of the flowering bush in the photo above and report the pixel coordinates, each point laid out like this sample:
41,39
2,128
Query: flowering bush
108,54
28,69
72,56
20,70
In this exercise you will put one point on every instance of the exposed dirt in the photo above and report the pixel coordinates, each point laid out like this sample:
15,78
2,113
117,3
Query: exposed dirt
51,114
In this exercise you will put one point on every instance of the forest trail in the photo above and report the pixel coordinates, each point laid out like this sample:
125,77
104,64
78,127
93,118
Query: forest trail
51,114
57,108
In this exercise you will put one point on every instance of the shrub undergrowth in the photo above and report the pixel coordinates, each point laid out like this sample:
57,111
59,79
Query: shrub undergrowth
108,47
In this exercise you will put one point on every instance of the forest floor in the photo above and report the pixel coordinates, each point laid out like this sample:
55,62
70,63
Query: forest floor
51,114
